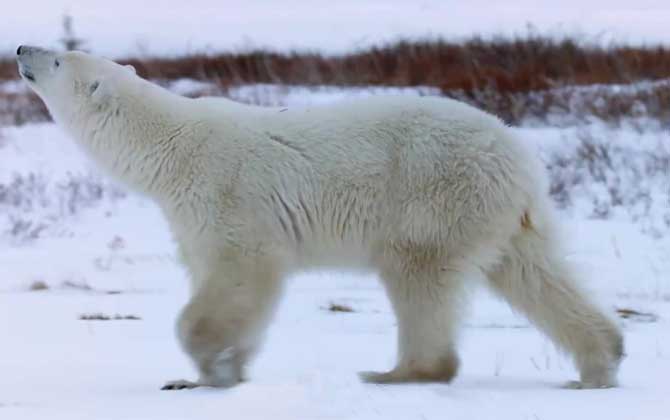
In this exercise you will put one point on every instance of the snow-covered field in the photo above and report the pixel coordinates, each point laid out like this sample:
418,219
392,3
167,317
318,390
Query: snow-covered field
93,250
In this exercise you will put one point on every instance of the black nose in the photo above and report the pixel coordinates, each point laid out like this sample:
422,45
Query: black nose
18,50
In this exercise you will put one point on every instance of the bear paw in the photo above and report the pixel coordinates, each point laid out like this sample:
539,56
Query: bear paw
443,370
402,376
588,385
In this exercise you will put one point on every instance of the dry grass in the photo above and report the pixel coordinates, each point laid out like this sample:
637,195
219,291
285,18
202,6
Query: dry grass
614,173
513,78
339,307
102,317
574,103
634,315
77,285
20,108
31,203
38,286
507,65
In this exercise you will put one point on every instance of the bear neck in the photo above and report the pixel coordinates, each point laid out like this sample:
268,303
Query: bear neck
139,138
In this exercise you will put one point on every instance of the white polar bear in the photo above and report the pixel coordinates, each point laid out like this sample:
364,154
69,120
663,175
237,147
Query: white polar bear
428,192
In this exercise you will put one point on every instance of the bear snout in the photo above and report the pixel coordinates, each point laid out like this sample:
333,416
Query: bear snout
33,61
29,50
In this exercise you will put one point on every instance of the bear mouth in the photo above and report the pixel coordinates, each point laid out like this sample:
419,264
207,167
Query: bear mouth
28,75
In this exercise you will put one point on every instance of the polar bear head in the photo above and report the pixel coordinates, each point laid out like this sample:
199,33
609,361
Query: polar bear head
104,106
72,84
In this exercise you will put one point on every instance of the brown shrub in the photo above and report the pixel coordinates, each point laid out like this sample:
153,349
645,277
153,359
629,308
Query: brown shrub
518,65
495,74
19,108
508,65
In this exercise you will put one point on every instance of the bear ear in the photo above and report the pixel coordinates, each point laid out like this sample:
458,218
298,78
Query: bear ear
93,87
131,68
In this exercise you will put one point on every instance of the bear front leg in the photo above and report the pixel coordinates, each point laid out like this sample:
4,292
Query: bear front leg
222,326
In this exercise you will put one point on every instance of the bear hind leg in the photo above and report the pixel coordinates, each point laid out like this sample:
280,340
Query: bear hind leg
536,281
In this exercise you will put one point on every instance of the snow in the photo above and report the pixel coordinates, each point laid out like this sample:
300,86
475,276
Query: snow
56,366
115,256
172,26
291,95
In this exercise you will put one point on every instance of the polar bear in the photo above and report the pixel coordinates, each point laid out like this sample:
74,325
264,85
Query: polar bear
430,193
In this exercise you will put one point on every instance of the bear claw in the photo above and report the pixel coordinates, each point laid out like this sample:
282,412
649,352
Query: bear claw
179,385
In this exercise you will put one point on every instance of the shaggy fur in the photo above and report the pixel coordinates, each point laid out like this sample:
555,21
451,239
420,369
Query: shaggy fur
428,192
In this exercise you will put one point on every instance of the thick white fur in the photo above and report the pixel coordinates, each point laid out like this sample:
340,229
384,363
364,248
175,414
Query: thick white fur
428,192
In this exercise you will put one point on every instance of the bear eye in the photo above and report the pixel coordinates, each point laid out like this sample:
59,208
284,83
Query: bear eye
57,63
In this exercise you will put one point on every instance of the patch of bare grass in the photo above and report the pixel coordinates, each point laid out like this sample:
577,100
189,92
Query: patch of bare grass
103,317
80,285
635,315
339,307
38,286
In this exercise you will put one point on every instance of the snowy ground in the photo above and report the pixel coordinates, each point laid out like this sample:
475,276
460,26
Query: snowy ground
57,366
99,250
176,26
